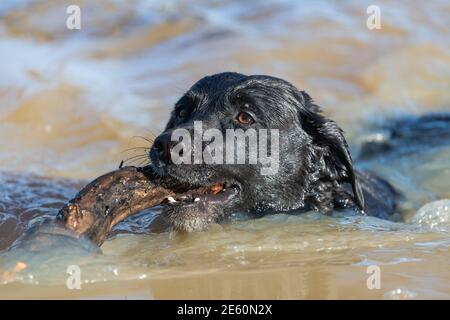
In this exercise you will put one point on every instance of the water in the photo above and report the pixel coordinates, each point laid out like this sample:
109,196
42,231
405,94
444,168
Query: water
72,101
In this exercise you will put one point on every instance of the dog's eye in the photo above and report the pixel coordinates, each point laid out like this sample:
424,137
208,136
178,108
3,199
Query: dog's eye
245,118
183,113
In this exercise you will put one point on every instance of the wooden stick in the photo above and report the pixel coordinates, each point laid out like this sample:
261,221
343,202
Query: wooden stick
110,199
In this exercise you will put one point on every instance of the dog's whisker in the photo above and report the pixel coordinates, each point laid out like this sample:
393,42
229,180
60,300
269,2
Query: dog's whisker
149,140
152,134
130,161
135,148
143,163
138,155
135,158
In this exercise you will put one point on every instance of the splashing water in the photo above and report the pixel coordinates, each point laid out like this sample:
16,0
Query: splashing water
71,101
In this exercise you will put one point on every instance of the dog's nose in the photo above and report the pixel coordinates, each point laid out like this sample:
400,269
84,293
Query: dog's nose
163,146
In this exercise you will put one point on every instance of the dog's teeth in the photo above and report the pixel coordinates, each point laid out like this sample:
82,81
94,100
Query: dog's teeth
171,199
197,199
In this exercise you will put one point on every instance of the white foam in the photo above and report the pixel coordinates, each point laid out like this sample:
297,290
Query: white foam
434,215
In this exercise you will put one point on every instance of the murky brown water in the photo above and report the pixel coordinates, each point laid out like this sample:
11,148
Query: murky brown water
71,101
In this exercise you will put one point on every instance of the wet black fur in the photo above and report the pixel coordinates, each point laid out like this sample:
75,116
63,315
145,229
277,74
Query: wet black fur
315,171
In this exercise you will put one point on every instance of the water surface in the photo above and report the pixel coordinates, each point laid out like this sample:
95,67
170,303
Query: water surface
71,102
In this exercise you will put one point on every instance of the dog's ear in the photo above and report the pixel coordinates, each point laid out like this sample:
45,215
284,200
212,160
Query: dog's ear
326,133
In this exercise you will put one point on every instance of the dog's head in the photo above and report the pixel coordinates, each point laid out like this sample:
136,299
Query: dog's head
304,159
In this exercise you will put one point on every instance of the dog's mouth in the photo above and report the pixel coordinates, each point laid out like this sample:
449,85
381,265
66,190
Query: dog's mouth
217,194
198,199
197,207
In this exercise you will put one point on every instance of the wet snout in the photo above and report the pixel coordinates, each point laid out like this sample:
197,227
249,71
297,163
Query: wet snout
163,146
186,139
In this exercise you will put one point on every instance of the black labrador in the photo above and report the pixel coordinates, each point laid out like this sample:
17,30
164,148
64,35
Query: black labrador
315,168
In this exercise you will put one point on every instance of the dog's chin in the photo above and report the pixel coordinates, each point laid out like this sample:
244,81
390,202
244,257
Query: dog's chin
210,200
